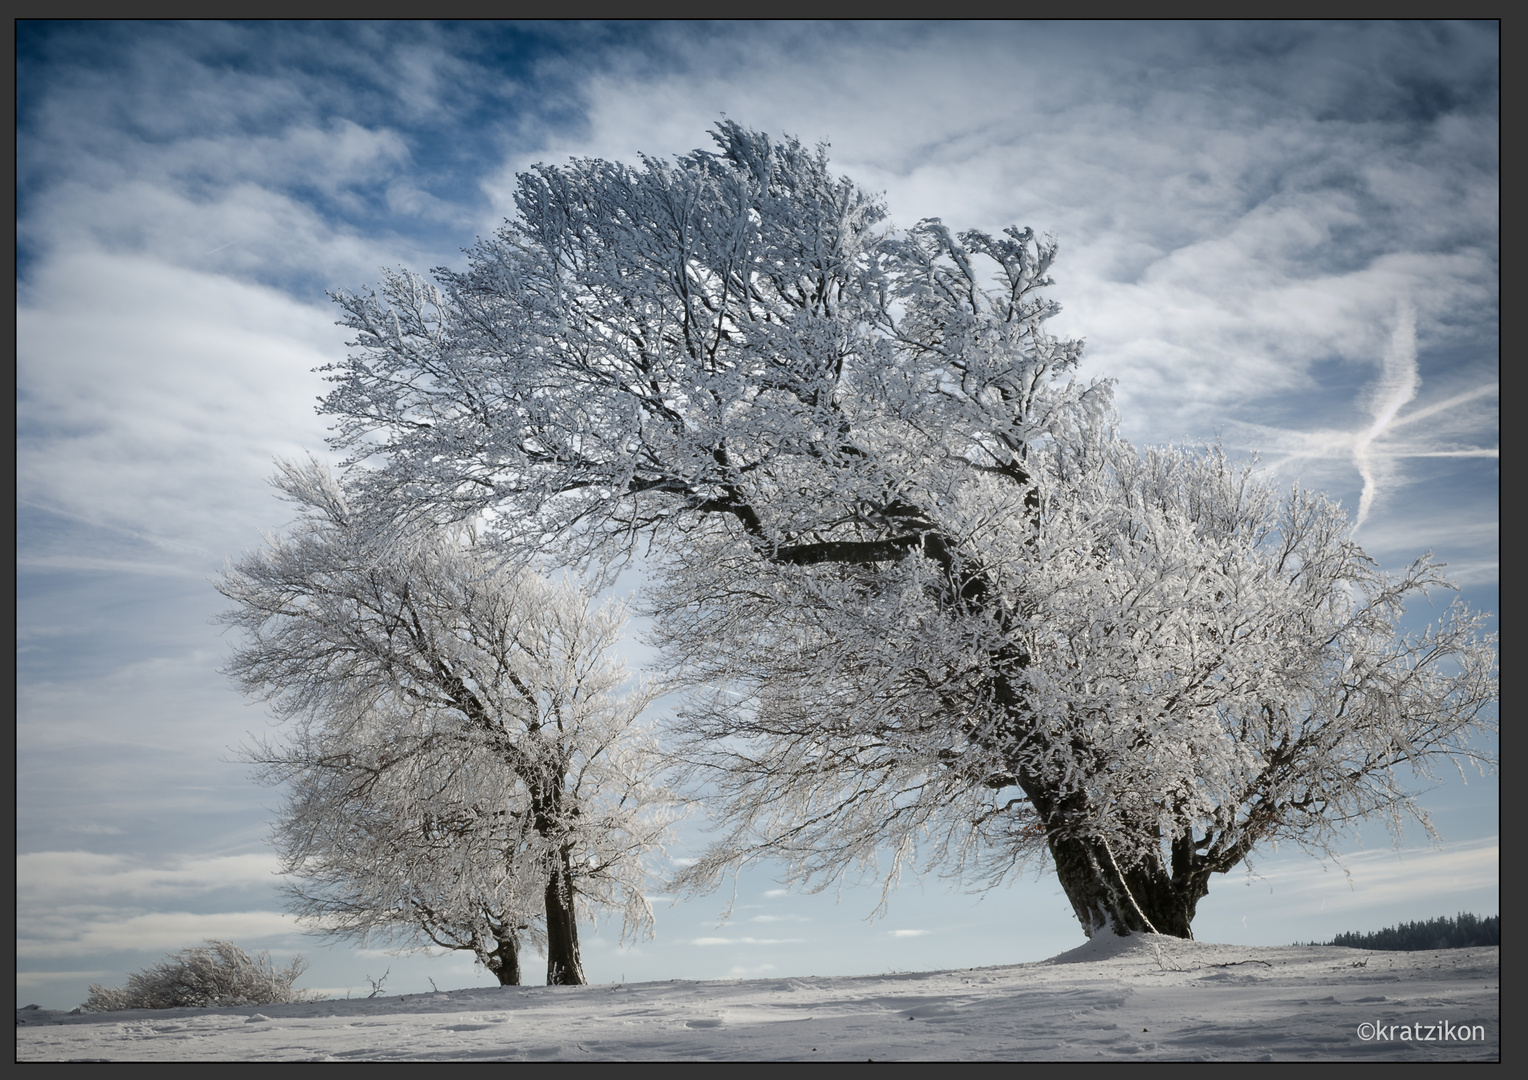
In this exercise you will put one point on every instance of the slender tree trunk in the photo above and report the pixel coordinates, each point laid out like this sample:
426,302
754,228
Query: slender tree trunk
564,965
507,958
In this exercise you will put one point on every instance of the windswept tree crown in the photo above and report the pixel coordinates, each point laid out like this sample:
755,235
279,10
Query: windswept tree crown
937,608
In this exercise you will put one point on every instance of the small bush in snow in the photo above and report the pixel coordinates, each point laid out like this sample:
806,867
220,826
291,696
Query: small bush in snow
218,973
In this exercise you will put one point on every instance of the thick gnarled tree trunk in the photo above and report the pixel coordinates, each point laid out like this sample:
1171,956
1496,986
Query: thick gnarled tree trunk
1125,899
1108,890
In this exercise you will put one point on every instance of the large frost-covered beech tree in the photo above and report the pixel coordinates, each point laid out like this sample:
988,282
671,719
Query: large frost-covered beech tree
942,612
459,764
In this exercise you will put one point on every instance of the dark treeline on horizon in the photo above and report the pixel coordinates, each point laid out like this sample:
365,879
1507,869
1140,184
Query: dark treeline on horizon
1464,932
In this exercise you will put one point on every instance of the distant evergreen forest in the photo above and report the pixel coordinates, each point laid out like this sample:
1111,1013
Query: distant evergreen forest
1463,932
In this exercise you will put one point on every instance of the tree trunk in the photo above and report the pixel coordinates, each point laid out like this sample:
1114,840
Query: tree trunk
1110,894
1125,899
564,966
507,959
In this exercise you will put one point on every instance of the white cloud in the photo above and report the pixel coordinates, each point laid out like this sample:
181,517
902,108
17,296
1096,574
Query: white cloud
81,903
745,941
54,878
153,399
1368,879
80,934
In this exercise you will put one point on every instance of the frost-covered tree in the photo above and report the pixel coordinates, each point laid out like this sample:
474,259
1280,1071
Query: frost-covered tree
1200,664
460,766
943,612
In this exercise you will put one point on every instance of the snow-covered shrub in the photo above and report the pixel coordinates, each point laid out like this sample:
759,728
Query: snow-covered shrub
218,973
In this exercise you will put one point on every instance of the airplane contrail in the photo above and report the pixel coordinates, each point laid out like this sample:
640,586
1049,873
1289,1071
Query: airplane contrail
1397,386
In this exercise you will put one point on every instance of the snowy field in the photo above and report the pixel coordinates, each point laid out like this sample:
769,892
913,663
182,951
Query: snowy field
1143,998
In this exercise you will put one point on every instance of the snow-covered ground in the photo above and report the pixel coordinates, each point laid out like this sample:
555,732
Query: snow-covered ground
1137,999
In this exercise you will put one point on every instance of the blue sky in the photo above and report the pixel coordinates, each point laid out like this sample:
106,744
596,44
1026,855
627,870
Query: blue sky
1282,235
